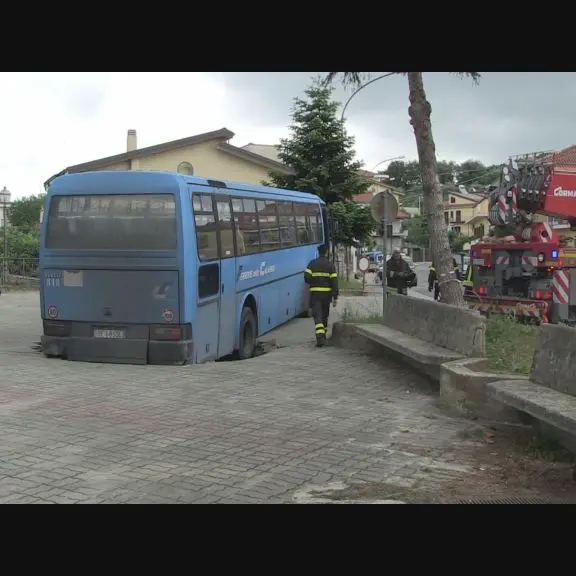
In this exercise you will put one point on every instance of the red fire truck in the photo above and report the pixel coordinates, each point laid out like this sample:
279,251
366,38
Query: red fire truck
527,268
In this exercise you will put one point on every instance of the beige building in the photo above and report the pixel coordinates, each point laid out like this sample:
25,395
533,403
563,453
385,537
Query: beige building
467,214
209,155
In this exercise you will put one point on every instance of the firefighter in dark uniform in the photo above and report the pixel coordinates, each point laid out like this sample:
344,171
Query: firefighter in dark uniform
433,281
469,281
433,278
398,273
321,276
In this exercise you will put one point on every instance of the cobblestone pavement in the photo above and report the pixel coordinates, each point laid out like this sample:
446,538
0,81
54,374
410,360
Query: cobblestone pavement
262,430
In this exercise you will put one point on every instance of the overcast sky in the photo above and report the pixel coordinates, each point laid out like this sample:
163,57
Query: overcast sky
52,120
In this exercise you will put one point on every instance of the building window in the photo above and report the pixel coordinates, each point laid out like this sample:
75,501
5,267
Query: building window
452,200
457,229
446,217
186,168
458,216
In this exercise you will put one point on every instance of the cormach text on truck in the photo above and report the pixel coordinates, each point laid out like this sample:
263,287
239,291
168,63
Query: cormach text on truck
527,268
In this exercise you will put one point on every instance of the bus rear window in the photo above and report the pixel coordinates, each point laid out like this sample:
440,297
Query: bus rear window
112,222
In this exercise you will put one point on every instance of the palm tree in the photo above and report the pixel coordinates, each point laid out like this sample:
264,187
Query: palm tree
419,112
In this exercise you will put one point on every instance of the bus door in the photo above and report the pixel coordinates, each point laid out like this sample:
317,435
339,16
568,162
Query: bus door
227,244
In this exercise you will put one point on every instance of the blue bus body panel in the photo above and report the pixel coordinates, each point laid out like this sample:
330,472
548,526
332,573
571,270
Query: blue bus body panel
125,296
120,286
161,287
275,279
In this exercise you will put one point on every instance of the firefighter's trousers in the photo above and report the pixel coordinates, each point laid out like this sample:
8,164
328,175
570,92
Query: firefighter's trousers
320,304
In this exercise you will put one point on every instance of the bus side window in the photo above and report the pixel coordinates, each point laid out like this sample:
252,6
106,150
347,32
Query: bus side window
313,223
208,280
302,231
225,225
206,227
287,224
268,223
246,222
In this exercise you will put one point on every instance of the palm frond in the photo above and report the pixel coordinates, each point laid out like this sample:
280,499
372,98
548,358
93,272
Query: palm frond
475,76
347,78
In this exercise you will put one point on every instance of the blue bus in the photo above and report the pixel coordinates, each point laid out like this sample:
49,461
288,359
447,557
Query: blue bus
161,268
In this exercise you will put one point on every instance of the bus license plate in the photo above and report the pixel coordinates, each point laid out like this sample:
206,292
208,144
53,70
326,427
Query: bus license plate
110,333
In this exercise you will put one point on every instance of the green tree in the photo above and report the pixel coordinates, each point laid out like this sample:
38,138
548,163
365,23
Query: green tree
420,111
457,241
319,150
25,213
475,173
417,228
354,223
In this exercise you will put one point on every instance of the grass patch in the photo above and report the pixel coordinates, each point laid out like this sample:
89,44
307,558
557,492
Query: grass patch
356,317
351,284
549,449
510,345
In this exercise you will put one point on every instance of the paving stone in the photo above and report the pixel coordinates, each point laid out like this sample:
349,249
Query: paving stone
255,431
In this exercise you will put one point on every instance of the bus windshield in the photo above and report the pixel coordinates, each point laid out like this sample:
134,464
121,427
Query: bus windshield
112,222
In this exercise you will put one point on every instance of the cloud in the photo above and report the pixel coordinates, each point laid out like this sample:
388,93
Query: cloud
53,120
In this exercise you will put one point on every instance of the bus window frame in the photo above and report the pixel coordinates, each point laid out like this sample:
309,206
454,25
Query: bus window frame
315,214
223,198
214,215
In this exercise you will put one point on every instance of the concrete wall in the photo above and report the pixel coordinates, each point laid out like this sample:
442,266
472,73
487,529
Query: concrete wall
457,329
554,363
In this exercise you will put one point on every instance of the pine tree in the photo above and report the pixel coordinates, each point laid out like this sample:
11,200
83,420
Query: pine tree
319,150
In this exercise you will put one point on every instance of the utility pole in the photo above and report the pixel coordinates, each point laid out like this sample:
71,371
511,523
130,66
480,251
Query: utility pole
5,199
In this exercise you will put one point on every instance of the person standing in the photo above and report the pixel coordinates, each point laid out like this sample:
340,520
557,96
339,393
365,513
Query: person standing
398,272
433,282
321,276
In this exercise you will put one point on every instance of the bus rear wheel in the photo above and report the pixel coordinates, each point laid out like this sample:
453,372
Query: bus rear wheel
248,331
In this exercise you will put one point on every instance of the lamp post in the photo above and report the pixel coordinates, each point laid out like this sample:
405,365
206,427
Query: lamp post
362,88
387,160
5,196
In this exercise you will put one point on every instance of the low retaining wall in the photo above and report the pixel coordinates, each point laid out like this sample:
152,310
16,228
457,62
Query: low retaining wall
554,363
457,329
463,391
353,292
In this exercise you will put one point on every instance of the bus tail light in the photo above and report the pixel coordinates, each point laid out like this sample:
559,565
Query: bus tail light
171,332
58,328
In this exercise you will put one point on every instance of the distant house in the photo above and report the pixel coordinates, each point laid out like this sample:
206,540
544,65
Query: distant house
399,235
467,214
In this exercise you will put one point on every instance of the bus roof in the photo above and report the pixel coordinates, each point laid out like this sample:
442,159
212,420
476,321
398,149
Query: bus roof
148,181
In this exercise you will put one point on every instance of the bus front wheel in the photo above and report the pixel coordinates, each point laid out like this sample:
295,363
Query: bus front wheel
248,331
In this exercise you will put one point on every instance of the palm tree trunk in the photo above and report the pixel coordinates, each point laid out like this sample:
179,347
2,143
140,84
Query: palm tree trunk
420,111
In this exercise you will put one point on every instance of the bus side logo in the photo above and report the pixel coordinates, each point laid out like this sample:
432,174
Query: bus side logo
264,270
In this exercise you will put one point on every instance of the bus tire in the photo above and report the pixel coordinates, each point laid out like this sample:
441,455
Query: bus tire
248,333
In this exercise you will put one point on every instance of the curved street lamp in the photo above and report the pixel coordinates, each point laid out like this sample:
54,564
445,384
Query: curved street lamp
387,160
362,88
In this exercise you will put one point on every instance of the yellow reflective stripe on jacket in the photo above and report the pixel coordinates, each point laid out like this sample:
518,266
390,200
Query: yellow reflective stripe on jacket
333,275
468,282
321,274
307,271
320,289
